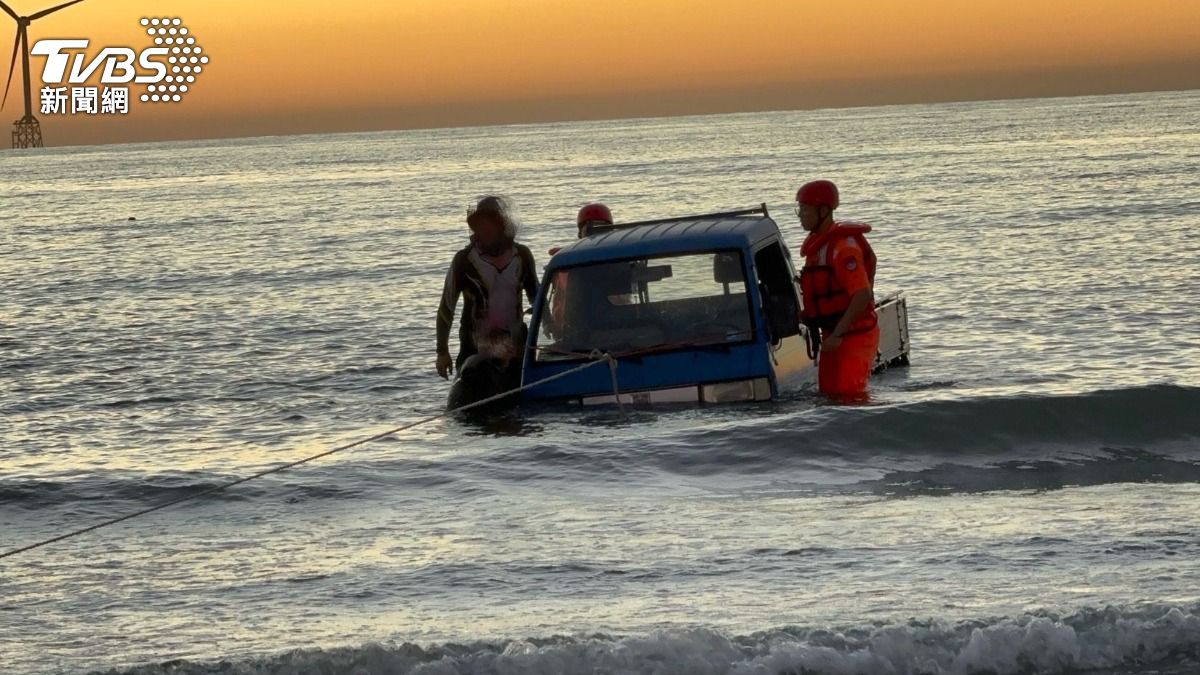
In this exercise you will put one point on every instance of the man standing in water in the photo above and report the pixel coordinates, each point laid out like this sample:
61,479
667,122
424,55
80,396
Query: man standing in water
836,283
491,272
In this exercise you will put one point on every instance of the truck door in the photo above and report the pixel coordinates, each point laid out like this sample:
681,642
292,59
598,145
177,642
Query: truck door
781,307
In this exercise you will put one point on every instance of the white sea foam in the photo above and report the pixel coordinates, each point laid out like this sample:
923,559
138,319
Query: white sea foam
1157,639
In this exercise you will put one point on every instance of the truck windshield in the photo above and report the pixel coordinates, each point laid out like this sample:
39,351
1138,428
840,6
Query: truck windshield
645,304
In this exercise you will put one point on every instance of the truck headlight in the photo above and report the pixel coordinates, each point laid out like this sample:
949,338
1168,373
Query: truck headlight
758,389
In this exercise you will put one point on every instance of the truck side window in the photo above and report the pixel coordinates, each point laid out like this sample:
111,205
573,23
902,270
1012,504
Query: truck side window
778,290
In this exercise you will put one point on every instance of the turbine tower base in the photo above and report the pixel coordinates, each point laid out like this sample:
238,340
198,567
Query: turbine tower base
27,133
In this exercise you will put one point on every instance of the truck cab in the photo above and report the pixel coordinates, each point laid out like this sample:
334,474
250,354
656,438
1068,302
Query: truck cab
697,309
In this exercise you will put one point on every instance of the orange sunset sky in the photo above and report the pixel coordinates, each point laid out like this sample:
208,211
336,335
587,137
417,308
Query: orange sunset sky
300,66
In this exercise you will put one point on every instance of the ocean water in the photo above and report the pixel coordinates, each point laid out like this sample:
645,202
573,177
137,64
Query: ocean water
1023,499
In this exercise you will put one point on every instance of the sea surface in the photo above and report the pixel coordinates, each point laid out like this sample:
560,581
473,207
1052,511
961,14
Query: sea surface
1025,498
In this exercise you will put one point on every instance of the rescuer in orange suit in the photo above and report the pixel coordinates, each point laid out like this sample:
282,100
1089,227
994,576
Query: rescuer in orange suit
836,284
589,216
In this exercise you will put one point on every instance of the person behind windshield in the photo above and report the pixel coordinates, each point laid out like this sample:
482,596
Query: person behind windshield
590,216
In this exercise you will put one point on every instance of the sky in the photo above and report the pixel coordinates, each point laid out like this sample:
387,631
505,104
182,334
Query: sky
303,66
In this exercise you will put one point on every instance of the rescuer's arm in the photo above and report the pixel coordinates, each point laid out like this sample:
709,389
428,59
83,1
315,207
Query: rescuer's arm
859,302
852,276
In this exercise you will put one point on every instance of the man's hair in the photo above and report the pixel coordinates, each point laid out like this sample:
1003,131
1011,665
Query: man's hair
499,206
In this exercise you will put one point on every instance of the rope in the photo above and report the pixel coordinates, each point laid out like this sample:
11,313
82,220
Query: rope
612,370
601,358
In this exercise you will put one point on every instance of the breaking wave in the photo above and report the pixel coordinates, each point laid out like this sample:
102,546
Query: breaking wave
1151,639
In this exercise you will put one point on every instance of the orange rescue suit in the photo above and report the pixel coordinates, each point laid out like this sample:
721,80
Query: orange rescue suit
838,264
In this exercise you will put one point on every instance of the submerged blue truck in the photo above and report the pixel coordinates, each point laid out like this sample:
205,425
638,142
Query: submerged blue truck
695,309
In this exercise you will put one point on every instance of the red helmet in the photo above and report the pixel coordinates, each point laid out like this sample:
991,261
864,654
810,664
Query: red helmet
594,213
818,193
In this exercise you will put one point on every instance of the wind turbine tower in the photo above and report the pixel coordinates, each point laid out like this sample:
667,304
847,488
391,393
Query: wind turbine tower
27,132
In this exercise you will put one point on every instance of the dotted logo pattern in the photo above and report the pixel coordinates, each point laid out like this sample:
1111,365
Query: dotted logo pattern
185,61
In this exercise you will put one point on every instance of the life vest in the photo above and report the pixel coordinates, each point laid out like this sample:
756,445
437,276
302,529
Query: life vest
825,301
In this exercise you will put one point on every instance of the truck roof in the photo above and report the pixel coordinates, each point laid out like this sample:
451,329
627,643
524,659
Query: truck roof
687,234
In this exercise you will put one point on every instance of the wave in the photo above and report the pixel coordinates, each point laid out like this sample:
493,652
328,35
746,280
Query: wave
1140,418
935,447
1121,417
1142,434
109,489
1125,465
1150,639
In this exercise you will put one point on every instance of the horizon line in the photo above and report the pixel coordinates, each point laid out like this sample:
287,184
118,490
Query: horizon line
603,118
